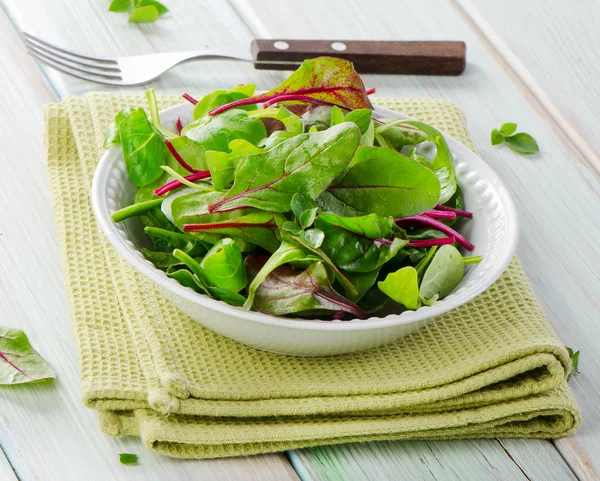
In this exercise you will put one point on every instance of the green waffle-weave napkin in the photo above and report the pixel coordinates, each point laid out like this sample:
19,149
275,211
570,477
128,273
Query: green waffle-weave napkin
491,368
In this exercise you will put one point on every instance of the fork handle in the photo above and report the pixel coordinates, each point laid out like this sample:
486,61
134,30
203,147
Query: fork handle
368,56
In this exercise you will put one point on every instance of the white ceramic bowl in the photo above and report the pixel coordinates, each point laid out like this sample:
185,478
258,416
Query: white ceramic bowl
493,231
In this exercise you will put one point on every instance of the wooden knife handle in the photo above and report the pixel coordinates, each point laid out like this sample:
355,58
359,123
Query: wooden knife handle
387,57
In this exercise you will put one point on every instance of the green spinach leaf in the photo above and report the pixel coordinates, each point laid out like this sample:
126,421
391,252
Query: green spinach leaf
216,133
317,117
223,266
385,182
358,244
361,117
305,163
443,273
397,133
522,143
443,162
222,164
143,148
402,286
256,227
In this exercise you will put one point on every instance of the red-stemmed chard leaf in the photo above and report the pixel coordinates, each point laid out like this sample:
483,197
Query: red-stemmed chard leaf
436,224
432,242
173,184
178,157
458,212
19,362
326,79
306,163
257,228
284,291
440,214
179,125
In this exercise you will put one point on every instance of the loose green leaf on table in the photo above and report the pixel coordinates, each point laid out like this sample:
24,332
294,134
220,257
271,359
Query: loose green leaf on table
19,362
305,163
497,137
127,458
155,3
402,286
147,14
443,273
521,143
120,6
387,183
284,291
574,356
508,128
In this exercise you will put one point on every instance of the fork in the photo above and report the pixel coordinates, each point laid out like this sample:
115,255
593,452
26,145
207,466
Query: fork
403,57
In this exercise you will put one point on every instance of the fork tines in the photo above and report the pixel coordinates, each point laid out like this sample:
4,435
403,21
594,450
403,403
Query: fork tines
97,69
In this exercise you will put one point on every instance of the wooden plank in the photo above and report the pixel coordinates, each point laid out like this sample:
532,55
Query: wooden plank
555,188
477,460
6,471
466,460
45,431
554,49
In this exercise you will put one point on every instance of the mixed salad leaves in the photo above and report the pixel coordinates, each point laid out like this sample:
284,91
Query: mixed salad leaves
306,206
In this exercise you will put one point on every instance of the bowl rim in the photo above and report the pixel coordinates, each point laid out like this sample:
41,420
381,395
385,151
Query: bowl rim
108,227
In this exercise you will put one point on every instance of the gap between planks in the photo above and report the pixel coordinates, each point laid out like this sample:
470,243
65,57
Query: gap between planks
512,65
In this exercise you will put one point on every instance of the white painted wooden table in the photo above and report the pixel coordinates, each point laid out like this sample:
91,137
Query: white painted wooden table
535,63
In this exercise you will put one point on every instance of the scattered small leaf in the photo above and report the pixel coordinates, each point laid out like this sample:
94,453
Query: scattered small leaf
127,458
159,6
508,128
120,6
19,362
574,355
522,143
147,14
497,137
